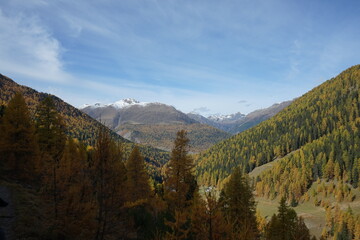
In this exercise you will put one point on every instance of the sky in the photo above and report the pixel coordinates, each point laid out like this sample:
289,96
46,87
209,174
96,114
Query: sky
207,56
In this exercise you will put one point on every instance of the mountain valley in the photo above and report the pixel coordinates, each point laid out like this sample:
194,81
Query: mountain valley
302,153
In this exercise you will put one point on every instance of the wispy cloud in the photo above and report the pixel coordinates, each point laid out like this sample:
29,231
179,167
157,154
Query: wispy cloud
201,110
28,49
190,54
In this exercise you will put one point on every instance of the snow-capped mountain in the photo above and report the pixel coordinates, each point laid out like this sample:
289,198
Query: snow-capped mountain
123,103
227,118
132,111
154,124
238,122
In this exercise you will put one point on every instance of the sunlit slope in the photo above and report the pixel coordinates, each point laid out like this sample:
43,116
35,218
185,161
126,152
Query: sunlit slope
331,106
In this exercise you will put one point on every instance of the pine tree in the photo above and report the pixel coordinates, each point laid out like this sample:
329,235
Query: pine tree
239,206
18,146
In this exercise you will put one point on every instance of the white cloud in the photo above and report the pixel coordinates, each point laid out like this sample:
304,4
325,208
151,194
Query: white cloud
27,49
201,110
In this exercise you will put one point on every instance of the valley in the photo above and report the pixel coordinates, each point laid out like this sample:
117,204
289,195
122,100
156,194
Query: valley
179,120
302,155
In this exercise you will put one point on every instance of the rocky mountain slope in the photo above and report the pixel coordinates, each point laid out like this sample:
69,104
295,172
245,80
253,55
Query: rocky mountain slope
135,112
154,124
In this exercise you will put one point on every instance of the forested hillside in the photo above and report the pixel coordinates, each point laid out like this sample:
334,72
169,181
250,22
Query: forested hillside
60,189
79,125
328,112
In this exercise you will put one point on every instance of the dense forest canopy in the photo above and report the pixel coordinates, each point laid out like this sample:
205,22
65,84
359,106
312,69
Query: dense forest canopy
331,110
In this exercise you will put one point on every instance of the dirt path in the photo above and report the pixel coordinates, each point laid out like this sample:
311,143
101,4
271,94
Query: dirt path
6,213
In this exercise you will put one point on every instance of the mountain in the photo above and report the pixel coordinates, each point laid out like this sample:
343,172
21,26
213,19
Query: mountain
154,124
79,124
238,122
230,118
326,120
256,117
135,112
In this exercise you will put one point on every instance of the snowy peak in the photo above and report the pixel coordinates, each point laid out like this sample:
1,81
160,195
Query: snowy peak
127,102
229,117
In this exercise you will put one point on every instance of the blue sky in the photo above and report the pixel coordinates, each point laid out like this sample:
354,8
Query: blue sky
209,55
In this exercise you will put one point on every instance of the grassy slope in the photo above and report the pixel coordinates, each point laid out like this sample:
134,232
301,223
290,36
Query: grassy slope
314,216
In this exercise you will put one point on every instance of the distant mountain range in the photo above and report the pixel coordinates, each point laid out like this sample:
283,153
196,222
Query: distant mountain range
238,122
156,124
135,112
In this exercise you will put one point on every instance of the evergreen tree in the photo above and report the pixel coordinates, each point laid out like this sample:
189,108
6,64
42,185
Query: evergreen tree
18,146
239,206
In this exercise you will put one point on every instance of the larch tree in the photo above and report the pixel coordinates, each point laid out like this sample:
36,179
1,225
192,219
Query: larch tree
180,187
137,179
51,135
18,147
108,174
207,220
286,225
76,205
139,195
238,206
180,184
